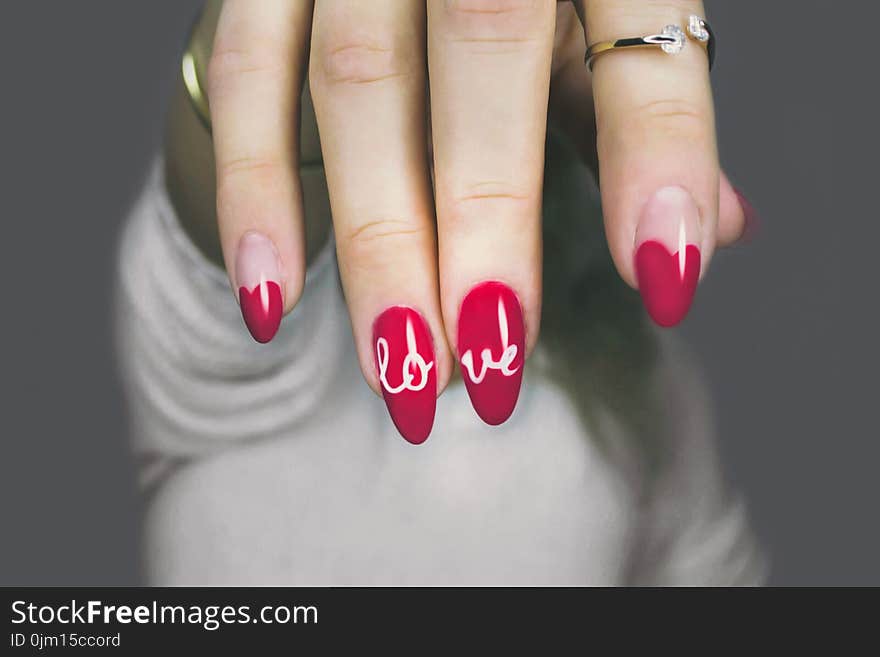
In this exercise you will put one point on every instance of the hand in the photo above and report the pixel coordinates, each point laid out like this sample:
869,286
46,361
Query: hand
453,263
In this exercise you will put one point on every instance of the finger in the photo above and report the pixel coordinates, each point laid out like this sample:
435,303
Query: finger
658,161
571,109
489,63
367,77
255,77
737,220
571,90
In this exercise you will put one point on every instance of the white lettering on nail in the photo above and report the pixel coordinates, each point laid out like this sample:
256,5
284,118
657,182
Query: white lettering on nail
508,353
413,359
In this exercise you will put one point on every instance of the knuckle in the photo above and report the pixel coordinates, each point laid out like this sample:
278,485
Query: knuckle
245,173
477,201
497,21
227,66
347,59
373,244
673,116
491,9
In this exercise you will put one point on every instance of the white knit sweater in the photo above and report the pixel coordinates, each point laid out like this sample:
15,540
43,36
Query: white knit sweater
276,464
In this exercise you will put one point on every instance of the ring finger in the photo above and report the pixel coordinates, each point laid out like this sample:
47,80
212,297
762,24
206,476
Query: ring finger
489,63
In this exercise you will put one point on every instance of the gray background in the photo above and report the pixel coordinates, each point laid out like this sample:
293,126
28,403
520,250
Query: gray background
787,327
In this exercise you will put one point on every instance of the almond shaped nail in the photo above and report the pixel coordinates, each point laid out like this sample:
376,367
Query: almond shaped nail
491,349
258,276
667,255
404,356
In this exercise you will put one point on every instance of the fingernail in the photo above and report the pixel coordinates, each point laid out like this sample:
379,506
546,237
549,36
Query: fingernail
491,349
667,258
258,276
404,353
753,221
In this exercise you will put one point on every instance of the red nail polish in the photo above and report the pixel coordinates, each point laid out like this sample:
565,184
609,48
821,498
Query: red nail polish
667,281
404,353
491,349
257,273
261,308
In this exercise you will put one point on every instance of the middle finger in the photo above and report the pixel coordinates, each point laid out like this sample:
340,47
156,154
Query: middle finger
367,77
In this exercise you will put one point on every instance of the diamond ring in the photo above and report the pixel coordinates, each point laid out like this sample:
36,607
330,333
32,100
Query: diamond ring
671,41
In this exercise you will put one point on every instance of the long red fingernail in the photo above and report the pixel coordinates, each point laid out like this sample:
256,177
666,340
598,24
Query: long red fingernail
667,258
404,353
257,275
491,349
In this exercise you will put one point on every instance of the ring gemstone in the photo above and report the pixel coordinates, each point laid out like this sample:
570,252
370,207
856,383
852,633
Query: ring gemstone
697,28
673,47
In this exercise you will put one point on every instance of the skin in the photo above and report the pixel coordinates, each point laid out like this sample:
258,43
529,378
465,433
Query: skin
422,240
190,164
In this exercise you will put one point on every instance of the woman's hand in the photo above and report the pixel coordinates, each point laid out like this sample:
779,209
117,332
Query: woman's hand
452,264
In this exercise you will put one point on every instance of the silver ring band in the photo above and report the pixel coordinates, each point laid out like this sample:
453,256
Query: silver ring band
671,41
